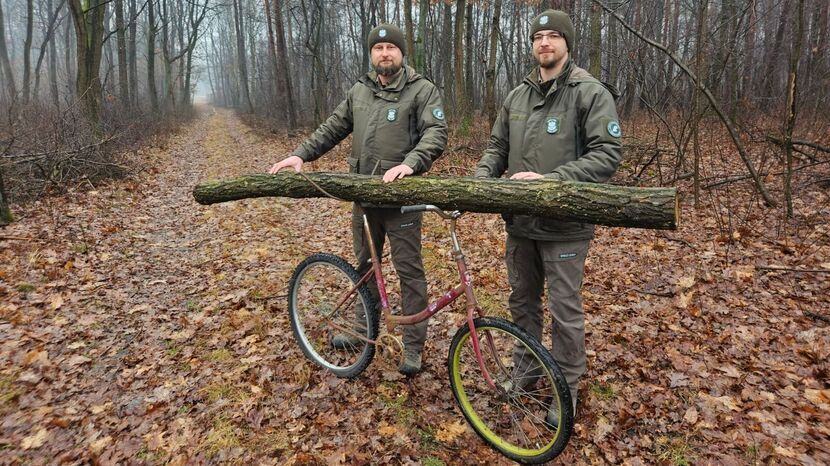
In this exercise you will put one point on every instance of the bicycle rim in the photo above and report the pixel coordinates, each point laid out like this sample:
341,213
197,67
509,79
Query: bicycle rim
322,309
513,418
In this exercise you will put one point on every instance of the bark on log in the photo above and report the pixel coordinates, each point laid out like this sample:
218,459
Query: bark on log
600,204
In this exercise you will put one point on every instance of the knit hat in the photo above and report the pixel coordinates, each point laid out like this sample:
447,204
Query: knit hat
554,20
387,33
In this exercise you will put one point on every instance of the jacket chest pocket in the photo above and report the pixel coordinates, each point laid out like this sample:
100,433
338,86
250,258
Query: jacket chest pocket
393,135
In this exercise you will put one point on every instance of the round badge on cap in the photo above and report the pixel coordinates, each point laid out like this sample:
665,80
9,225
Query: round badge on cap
614,129
543,20
382,33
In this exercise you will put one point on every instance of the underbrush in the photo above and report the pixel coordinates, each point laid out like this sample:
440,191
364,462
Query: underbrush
47,151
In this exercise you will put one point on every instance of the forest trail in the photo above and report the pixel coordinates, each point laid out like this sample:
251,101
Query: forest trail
136,325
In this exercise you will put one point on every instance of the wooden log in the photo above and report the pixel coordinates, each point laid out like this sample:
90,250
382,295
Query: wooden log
600,204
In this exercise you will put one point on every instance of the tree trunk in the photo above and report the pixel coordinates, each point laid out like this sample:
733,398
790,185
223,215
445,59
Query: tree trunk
469,90
151,57
47,44
241,54
420,46
492,62
446,58
53,61
131,56
121,35
595,54
8,74
284,79
792,94
595,203
27,51
6,216
461,104
88,18
698,104
410,37
272,57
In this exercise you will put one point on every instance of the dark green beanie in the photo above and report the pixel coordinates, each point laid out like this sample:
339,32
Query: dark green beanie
554,20
387,33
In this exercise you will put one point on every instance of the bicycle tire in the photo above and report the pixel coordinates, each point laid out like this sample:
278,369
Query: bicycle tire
501,416
317,284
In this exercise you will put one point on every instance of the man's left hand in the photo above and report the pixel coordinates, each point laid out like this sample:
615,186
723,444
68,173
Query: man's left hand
399,171
526,176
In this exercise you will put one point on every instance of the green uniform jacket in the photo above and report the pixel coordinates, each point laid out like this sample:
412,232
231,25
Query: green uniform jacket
400,123
572,133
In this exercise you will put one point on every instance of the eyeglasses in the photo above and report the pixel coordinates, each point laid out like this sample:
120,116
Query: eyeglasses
550,36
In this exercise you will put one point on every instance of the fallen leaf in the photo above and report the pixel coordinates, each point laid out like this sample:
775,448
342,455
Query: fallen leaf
686,282
784,451
56,302
77,360
684,299
387,430
691,416
604,427
678,380
819,397
34,441
448,432
730,371
98,446
36,356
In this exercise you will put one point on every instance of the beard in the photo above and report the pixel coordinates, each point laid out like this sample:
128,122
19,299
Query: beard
388,70
550,61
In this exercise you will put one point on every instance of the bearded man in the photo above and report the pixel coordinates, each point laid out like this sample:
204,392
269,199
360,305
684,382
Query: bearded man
397,121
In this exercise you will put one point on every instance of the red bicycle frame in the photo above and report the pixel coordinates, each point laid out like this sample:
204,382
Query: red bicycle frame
464,288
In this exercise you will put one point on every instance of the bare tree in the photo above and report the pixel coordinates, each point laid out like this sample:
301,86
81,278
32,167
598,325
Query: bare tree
712,101
284,78
8,74
89,39
792,92
490,95
27,51
241,54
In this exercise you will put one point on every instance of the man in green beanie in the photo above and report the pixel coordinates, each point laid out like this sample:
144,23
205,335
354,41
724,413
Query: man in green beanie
397,121
560,123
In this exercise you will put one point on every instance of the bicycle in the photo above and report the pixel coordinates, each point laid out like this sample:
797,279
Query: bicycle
508,386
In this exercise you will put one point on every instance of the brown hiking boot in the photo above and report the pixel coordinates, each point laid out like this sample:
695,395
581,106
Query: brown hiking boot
411,364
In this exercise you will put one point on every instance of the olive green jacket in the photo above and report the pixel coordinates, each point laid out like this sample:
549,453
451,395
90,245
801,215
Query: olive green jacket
571,133
402,123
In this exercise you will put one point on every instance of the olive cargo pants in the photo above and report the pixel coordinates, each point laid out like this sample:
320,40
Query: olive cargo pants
562,264
404,232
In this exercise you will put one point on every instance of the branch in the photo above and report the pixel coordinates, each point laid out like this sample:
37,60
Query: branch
711,98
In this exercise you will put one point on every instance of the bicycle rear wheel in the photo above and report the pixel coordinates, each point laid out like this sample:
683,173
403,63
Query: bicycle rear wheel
327,314
528,417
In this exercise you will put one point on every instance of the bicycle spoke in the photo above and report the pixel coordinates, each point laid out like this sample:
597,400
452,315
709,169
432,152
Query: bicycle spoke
512,417
329,317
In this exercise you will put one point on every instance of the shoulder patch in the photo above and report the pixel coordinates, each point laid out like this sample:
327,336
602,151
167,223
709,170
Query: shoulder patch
438,113
614,129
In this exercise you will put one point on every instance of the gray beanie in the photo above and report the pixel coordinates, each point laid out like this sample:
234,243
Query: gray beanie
387,33
554,20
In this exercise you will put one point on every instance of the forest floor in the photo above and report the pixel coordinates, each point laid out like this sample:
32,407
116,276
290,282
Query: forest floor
139,327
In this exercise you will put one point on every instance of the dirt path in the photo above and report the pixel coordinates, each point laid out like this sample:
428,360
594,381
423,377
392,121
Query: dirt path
149,328
139,327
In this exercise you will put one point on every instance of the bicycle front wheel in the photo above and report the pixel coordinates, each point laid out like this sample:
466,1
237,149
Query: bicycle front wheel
330,316
528,416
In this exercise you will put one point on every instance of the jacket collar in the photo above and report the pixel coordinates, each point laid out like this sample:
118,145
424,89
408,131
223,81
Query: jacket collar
532,79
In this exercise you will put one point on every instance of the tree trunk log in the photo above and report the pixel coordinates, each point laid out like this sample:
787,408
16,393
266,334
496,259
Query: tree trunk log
599,204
